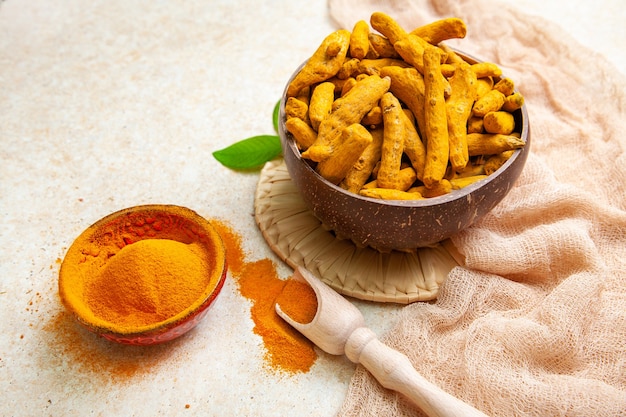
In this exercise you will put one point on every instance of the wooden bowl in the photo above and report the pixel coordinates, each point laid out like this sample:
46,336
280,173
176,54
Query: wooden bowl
93,250
388,225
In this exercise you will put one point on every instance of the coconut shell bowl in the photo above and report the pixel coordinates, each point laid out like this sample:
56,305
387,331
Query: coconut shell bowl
388,225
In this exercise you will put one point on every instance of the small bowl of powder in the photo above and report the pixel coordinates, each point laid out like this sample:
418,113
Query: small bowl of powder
143,275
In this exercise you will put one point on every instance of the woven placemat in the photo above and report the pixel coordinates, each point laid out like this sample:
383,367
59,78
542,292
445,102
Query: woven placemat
300,239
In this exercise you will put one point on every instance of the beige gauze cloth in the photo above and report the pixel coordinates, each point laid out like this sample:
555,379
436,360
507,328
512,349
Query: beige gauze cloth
534,322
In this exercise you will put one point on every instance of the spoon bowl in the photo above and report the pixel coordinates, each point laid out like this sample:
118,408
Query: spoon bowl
338,327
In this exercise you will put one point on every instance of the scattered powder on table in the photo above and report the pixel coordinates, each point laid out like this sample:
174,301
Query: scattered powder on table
286,349
98,360
180,271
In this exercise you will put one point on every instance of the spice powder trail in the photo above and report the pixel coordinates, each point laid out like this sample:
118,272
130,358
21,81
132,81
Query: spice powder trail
286,349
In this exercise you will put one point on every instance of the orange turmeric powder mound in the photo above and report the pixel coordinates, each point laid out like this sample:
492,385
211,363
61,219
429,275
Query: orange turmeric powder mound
148,282
286,349
298,301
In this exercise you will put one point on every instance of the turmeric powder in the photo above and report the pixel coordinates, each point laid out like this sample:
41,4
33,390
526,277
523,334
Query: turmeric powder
141,269
286,349
148,282
298,301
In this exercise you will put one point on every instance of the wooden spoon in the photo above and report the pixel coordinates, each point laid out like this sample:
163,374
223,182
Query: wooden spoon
339,328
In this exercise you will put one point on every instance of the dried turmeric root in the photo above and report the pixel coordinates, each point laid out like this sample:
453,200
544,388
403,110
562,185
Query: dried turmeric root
412,49
354,139
324,64
348,110
513,102
422,121
409,46
389,194
359,40
346,87
496,161
374,66
321,103
459,108
483,86
413,146
404,180
301,131
470,170
491,144
462,182
349,68
486,69
393,143
499,122
451,56
441,30
440,188
361,171
388,27
505,86
296,108
373,117
407,84
492,101
437,144
382,46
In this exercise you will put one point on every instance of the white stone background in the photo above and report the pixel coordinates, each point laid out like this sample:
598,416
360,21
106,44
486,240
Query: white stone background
110,104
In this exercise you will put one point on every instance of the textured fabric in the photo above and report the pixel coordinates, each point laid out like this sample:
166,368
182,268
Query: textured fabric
534,323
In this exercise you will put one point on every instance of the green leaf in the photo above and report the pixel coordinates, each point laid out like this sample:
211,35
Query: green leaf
275,115
249,153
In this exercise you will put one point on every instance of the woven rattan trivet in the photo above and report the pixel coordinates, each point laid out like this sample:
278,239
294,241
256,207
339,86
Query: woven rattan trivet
300,239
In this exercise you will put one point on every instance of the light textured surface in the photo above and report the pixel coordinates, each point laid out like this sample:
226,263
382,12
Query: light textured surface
105,105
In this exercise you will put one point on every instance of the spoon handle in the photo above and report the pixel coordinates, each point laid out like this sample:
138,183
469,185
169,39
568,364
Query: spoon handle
394,371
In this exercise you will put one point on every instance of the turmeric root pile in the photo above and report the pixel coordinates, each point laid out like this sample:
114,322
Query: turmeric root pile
391,114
